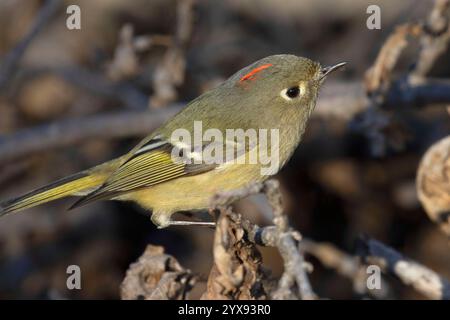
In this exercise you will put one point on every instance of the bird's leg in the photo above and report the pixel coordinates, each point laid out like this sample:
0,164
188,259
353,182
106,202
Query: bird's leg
163,220
190,223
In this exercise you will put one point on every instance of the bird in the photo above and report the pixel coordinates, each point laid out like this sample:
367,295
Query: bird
276,93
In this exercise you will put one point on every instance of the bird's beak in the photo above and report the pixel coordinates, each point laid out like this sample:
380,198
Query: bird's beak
327,70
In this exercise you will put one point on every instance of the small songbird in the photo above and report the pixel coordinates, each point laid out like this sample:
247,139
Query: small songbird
275,93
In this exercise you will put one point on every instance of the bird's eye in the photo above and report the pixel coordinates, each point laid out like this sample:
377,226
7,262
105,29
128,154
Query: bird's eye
290,93
293,92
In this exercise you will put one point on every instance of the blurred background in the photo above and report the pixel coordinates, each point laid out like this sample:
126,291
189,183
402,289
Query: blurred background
336,187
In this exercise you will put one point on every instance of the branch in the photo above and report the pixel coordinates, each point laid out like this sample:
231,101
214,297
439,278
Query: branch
378,77
409,94
97,84
435,38
125,63
237,271
280,236
423,279
170,73
433,183
344,264
73,131
12,59
410,90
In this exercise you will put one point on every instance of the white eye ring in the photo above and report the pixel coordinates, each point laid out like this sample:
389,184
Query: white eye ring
291,93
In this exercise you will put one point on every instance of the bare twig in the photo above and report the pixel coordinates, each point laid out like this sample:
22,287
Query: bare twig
378,77
423,279
344,264
280,236
12,59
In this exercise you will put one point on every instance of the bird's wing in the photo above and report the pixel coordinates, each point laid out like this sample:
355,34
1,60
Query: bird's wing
149,164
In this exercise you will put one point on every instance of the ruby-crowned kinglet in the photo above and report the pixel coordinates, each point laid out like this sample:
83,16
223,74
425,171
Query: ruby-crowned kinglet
277,93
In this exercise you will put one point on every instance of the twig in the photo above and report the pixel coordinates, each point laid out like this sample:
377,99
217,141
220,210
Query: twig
280,236
378,77
344,264
423,279
11,60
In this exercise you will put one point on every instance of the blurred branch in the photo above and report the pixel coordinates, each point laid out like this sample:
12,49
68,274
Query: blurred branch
125,63
72,131
411,90
344,264
170,72
97,84
11,60
435,38
280,235
427,92
378,76
424,280
433,183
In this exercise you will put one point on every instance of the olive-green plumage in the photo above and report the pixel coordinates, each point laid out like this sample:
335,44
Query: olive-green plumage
277,92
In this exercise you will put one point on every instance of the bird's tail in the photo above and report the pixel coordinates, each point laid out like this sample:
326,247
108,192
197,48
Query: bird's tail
77,184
